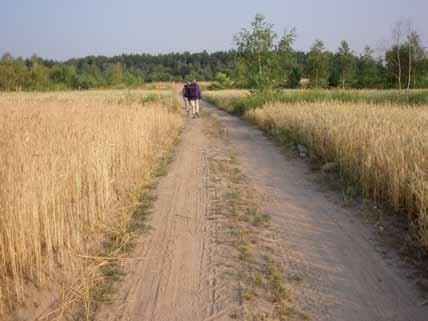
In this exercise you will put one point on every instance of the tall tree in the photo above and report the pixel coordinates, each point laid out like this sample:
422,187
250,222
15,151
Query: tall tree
39,74
317,64
287,60
9,73
255,47
397,34
411,56
294,77
117,72
346,61
415,54
369,70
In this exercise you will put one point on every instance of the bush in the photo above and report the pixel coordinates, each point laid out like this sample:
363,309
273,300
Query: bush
222,81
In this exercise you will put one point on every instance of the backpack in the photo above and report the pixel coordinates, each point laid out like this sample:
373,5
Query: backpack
193,91
185,91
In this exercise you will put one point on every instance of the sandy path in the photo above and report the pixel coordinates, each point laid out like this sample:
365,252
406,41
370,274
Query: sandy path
331,260
174,282
331,256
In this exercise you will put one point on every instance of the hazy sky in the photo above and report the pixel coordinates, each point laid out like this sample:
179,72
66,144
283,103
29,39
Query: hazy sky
64,29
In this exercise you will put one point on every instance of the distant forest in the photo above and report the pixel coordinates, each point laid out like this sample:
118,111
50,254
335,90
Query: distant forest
315,68
125,70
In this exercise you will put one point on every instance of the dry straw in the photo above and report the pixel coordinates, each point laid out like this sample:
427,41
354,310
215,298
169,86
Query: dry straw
382,148
71,166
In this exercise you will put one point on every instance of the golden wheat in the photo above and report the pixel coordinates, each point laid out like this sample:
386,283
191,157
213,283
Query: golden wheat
71,167
383,148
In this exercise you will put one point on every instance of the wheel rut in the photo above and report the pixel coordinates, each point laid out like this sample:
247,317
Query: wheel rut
178,277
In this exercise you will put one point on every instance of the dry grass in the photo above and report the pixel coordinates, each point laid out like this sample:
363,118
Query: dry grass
382,148
239,101
225,99
71,169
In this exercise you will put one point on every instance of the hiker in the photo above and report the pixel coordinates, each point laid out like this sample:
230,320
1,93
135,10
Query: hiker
194,95
185,93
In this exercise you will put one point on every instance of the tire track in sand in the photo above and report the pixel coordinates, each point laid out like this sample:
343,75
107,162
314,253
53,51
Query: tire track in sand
176,281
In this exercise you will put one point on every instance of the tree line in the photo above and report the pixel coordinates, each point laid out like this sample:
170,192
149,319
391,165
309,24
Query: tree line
266,60
260,59
130,70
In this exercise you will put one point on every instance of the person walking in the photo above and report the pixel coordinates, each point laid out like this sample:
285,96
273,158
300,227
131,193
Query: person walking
194,96
185,94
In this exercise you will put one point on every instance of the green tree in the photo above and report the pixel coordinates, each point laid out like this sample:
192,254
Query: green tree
369,70
286,58
95,75
403,72
22,74
118,72
294,77
422,72
64,75
39,74
223,80
255,52
317,64
13,73
415,56
346,61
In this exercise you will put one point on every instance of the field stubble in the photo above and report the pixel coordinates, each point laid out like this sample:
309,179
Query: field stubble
72,169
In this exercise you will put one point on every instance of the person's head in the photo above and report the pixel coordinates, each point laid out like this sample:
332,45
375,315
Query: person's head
194,80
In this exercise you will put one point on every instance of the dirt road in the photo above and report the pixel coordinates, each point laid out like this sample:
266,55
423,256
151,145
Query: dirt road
175,278
340,273
330,259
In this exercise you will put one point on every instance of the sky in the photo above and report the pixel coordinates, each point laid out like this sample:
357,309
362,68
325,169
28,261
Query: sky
61,29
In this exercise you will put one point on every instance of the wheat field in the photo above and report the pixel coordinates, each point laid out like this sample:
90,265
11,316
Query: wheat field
72,167
381,148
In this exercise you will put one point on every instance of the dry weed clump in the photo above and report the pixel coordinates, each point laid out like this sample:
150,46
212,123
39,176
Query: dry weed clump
382,148
71,169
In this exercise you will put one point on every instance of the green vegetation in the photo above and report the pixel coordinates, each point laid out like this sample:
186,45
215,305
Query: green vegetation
222,81
317,65
265,62
237,102
115,72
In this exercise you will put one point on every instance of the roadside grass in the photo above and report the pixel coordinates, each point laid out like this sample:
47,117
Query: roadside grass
73,166
240,101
